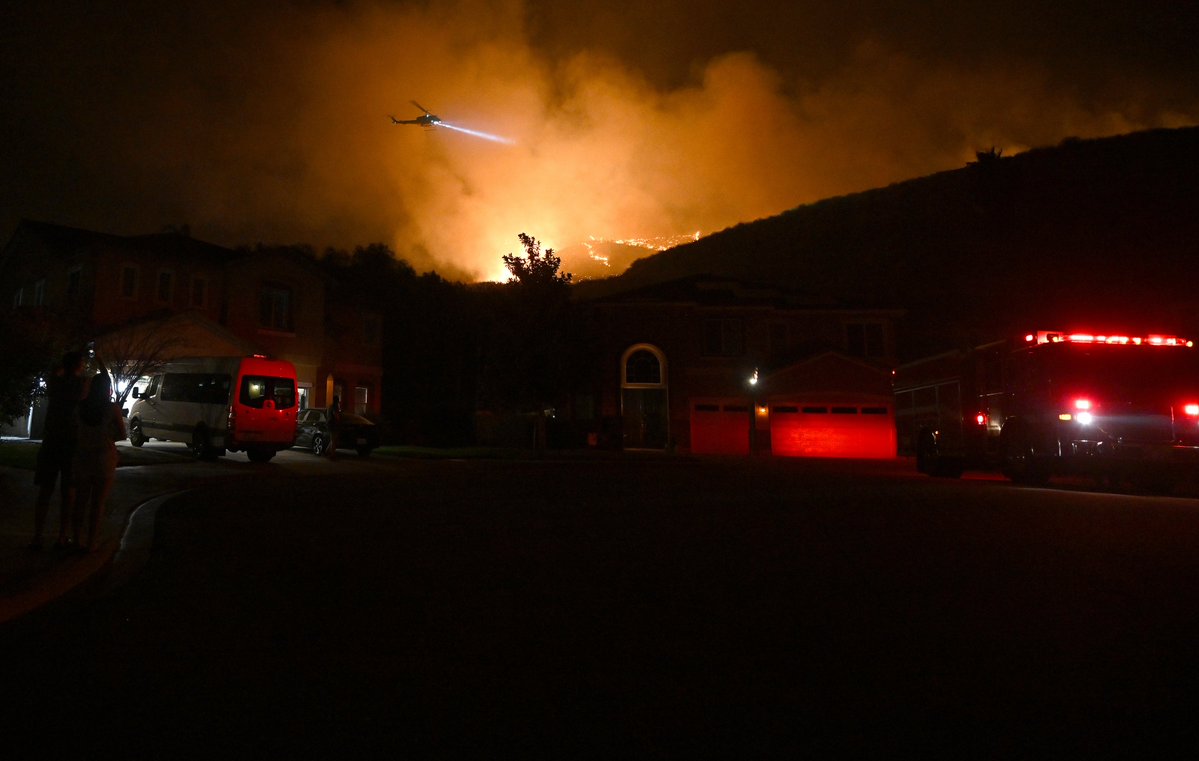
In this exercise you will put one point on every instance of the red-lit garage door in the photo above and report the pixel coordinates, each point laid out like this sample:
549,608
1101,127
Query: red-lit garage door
848,430
720,428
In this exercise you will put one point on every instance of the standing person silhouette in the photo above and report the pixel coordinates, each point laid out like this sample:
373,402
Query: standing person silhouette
55,457
101,426
334,415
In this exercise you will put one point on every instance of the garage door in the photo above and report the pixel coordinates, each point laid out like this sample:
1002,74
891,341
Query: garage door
848,430
720,428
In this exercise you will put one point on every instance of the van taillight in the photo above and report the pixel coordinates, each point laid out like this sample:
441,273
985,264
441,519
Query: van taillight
981,418
1191,409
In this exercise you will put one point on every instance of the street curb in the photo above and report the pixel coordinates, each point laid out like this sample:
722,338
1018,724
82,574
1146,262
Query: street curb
136,541
51,587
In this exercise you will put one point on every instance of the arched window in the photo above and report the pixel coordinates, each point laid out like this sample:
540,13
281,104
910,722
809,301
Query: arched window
642,367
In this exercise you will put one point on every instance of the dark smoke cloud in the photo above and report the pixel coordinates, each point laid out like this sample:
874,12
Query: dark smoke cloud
267,122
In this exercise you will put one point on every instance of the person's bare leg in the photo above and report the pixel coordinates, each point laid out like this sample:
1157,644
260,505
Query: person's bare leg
79,510
99,499
41,509
66,513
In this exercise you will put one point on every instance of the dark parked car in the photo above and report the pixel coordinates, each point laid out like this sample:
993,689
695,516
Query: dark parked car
358,433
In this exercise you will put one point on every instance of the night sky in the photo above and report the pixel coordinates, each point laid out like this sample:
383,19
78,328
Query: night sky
267,121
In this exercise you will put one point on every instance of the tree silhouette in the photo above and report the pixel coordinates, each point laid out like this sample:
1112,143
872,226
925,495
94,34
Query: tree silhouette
138,349
31,348
984,157
536,268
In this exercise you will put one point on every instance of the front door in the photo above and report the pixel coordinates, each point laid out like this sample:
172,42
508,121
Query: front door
646,418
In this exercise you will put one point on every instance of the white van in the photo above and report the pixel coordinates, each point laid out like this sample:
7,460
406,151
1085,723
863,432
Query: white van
219,404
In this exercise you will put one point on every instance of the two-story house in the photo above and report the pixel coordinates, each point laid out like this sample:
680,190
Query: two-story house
208,299
715,366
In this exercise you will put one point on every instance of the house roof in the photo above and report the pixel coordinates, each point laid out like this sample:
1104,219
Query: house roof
830,373
191,334
63,240
712,290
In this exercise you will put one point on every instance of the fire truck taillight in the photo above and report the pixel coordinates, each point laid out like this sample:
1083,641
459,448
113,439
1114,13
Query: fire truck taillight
1191,409
1081,413
981,419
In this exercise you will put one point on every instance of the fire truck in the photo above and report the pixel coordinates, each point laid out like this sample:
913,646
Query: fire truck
1113,407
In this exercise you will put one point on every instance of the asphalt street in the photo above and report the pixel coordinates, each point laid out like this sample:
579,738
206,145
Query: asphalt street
627,607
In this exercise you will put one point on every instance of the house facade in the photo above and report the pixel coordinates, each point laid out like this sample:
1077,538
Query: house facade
710,365
209,300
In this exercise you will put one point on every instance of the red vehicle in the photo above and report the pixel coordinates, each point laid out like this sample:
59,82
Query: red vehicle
1115,407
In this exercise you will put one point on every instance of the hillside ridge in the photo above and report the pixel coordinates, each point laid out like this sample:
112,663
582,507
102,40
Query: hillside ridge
1102,231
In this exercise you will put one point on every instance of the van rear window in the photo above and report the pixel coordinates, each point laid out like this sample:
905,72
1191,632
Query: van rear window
256,389
204,388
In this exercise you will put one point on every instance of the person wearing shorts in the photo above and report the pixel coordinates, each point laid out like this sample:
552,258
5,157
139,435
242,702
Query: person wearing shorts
64,390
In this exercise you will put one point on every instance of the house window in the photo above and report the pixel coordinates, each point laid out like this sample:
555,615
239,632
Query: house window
166,286
643,367
39,292
199,292
74,278
275,308
864,339
361,394
128,281
18,297
724,337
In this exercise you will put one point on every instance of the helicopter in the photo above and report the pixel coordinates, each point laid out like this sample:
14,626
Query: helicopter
427,120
